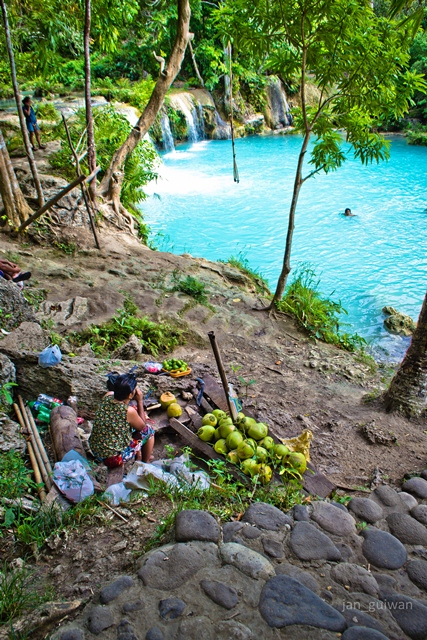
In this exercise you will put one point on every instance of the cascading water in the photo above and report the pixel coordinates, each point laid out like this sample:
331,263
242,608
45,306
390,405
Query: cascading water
168,143
193,115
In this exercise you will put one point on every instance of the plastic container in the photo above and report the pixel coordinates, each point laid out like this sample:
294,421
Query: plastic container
49,401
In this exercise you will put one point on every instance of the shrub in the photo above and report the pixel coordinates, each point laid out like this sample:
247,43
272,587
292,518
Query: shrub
191,287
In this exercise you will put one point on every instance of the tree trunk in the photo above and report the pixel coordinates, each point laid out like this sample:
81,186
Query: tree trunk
408,389
91,153
150,112
195,65
24,130
286,268
16,207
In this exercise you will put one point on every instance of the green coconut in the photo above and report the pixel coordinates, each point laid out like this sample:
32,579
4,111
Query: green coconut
225,421
261,454
281,450
246,423
206,433
166,399
265,473
209,419
217,435
298,461
252,442
240,416
250,467
267,443
234,439
233,457
221,446
226,429
258,431
219,415
245,450
174,410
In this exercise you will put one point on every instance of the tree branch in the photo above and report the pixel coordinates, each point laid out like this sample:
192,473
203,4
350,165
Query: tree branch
313,173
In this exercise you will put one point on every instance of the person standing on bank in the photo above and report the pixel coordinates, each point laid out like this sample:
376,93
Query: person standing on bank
31,120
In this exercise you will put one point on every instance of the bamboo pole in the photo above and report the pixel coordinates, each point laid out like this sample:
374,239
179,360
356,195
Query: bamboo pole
221,370
33,460
37,453
39,442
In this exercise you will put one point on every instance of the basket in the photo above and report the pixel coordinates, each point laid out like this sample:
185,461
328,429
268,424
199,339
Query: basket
178,374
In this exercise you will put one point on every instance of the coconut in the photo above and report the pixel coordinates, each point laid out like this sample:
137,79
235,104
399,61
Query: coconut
252,442
265,473
261,454
298,461
245,450
267,443
174,410
233,457
221,446
219,415
226,429
240,417
234,439
225,421
217,435
258,431
250,467
166,399
206,433
246,423
281,450
209,419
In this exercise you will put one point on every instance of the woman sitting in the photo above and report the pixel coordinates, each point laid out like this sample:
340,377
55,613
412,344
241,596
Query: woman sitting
120,431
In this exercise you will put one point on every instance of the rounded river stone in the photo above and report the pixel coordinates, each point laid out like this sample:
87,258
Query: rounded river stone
417,486
272,547
388,496
193,524
171,608
420,513
301,512
154,634
249,562
417,571
167,571
366,509
424,474
382,549
410,615
220,593
250,532
357,618
362,633
266,516
229,529
72,634
410,500
136,605
356,577
125,631
302,576
407,529
113,590
285,601
100,618
332,519
308,543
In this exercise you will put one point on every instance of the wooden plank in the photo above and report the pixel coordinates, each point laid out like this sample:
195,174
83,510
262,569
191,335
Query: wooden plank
215,392
205,450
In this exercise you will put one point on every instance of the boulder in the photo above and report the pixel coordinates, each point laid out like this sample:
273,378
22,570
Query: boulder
29,337
193,524
129,351
247,561
15,309
398,323
407,529
416,486
420,513
10,436
66,313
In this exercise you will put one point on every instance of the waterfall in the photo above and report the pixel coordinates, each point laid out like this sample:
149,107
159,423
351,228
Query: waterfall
168,143
222,128
193,115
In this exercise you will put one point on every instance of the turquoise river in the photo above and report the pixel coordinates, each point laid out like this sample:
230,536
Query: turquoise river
377,258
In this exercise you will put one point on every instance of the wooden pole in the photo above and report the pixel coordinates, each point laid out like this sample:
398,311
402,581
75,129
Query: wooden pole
82,186
39,443
33,460
91,152
58,197
231,406
38,455
22,122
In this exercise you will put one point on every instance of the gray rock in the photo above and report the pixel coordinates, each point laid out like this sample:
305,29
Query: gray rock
334,520
100,618
410,615
407,529
356,618
72,634
304,577
196,628
266,516
338,505
230,630
417,486
410,500
424,474
14,306
192,524
66,313
308,543
347,553
250,532
301,513
382,549
417,571
386,584
285,601
10,436
272,548
247,561
388,496
129,607
229,529
362,633
125,631
171,608
356,577
7,370
220,593
154,634
29,337
167,571
129,351
113,590
420,513
366,509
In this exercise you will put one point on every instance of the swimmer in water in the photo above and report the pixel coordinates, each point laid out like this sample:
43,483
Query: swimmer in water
348,213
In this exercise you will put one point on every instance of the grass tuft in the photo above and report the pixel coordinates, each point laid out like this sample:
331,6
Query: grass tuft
19,592
191,286
242,264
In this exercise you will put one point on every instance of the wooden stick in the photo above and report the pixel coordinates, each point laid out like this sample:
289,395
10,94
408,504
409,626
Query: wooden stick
39,442
214,345
37,476
37,453
104,504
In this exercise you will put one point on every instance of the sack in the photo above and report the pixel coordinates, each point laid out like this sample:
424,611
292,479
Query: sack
50,356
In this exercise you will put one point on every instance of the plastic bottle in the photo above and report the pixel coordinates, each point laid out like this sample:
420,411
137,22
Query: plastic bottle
44,415
49,401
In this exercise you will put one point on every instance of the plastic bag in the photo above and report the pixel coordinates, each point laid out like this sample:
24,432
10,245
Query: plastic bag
175,473
75,455
117,493
152,367
72,480
50,356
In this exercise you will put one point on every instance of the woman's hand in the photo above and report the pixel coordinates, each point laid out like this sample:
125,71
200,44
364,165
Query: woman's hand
138,395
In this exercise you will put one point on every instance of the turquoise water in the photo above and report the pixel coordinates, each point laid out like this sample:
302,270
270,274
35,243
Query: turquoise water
374,259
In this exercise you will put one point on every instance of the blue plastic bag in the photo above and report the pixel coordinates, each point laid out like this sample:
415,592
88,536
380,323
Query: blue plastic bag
50,356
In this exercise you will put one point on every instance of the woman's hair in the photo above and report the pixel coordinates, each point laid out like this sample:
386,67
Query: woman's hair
122,385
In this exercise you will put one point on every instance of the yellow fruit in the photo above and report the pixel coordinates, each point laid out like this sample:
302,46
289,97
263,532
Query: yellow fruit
250,467
265,473
280,450
206,433
267,443
174,410
219,415
245,450
298,461
233,457
209,419
221,446
166,399
261,454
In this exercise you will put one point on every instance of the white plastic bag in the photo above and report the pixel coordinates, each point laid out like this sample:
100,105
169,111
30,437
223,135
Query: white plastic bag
72,480
50,356
117,493
174,472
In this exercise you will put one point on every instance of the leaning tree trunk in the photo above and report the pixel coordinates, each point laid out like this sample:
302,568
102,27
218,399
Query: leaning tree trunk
111,183
91,153
15,206
408,389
